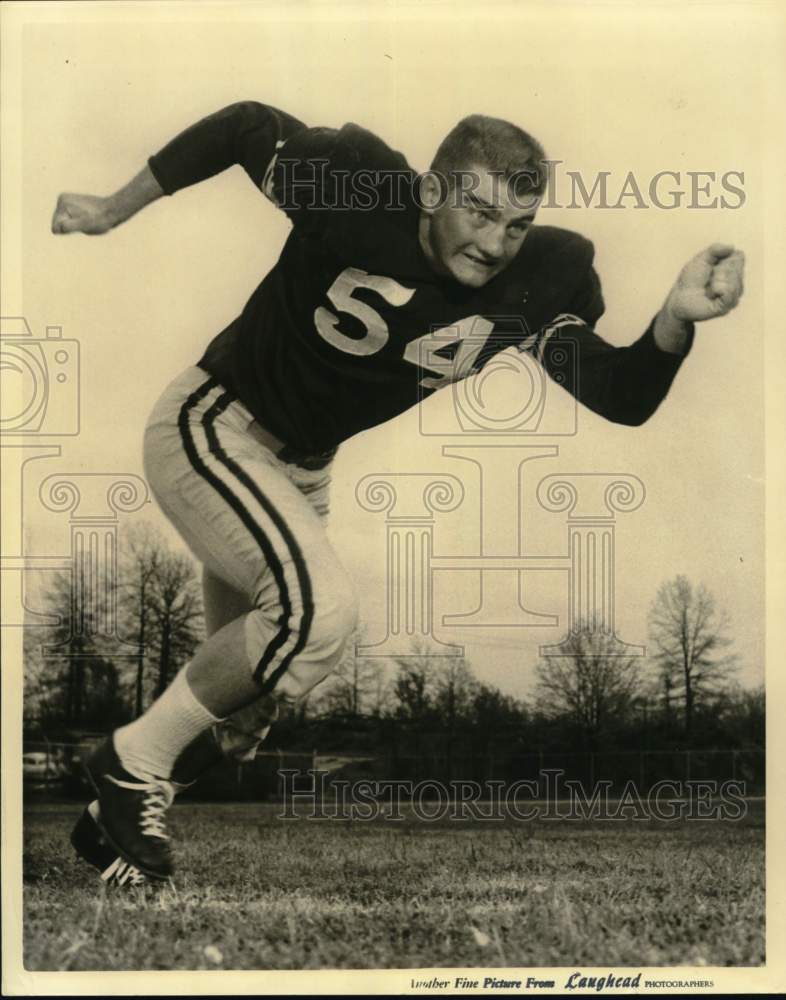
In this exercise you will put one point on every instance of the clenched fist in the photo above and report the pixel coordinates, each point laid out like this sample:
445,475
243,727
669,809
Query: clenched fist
82,213
709,285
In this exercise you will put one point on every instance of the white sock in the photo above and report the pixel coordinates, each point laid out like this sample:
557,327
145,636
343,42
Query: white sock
151,744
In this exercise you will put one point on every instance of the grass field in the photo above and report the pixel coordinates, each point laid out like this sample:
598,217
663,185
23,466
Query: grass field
257,892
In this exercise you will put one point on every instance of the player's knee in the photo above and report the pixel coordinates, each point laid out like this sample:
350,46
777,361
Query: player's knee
320,629
333,622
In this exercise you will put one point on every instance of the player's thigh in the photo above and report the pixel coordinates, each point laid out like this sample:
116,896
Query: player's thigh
234,506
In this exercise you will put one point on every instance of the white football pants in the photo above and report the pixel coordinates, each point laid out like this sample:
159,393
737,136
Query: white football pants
258,524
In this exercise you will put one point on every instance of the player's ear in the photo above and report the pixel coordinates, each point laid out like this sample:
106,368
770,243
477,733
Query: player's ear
432,191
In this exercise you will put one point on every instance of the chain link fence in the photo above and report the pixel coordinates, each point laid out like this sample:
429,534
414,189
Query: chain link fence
54,770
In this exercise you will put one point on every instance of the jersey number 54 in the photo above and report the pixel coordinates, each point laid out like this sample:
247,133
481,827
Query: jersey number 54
471,332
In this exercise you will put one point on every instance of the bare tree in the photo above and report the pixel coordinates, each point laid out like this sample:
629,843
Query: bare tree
689,633
70,677
744,711
414,686
668,692
381,696
177,615
161,607
492,710
355,683
454,689
141,556
590,683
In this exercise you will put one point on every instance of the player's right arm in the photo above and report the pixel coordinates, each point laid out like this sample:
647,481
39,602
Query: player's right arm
94,215
247,133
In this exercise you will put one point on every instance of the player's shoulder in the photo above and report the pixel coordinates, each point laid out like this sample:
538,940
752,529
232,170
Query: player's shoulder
554,263
351,147
562,247
362,146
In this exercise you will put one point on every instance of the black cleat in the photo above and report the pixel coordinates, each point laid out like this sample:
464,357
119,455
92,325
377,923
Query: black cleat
131,813
92,846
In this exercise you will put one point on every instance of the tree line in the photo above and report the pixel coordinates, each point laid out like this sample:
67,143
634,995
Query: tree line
593,695
76,676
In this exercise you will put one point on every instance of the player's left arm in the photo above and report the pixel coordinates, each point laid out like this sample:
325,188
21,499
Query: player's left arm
627,384
710,285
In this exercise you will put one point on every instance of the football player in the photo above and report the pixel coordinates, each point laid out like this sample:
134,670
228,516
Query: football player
389,286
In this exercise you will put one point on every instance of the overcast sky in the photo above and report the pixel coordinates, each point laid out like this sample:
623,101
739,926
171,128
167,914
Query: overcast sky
144,300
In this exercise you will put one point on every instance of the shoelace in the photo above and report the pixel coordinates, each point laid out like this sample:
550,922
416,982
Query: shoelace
156,802
121,871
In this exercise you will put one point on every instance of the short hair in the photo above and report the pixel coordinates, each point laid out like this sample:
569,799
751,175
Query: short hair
497,145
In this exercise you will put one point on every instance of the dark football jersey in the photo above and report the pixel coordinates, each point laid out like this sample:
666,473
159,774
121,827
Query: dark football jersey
352,325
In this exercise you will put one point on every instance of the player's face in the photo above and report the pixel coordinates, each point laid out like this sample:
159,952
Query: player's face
477,231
